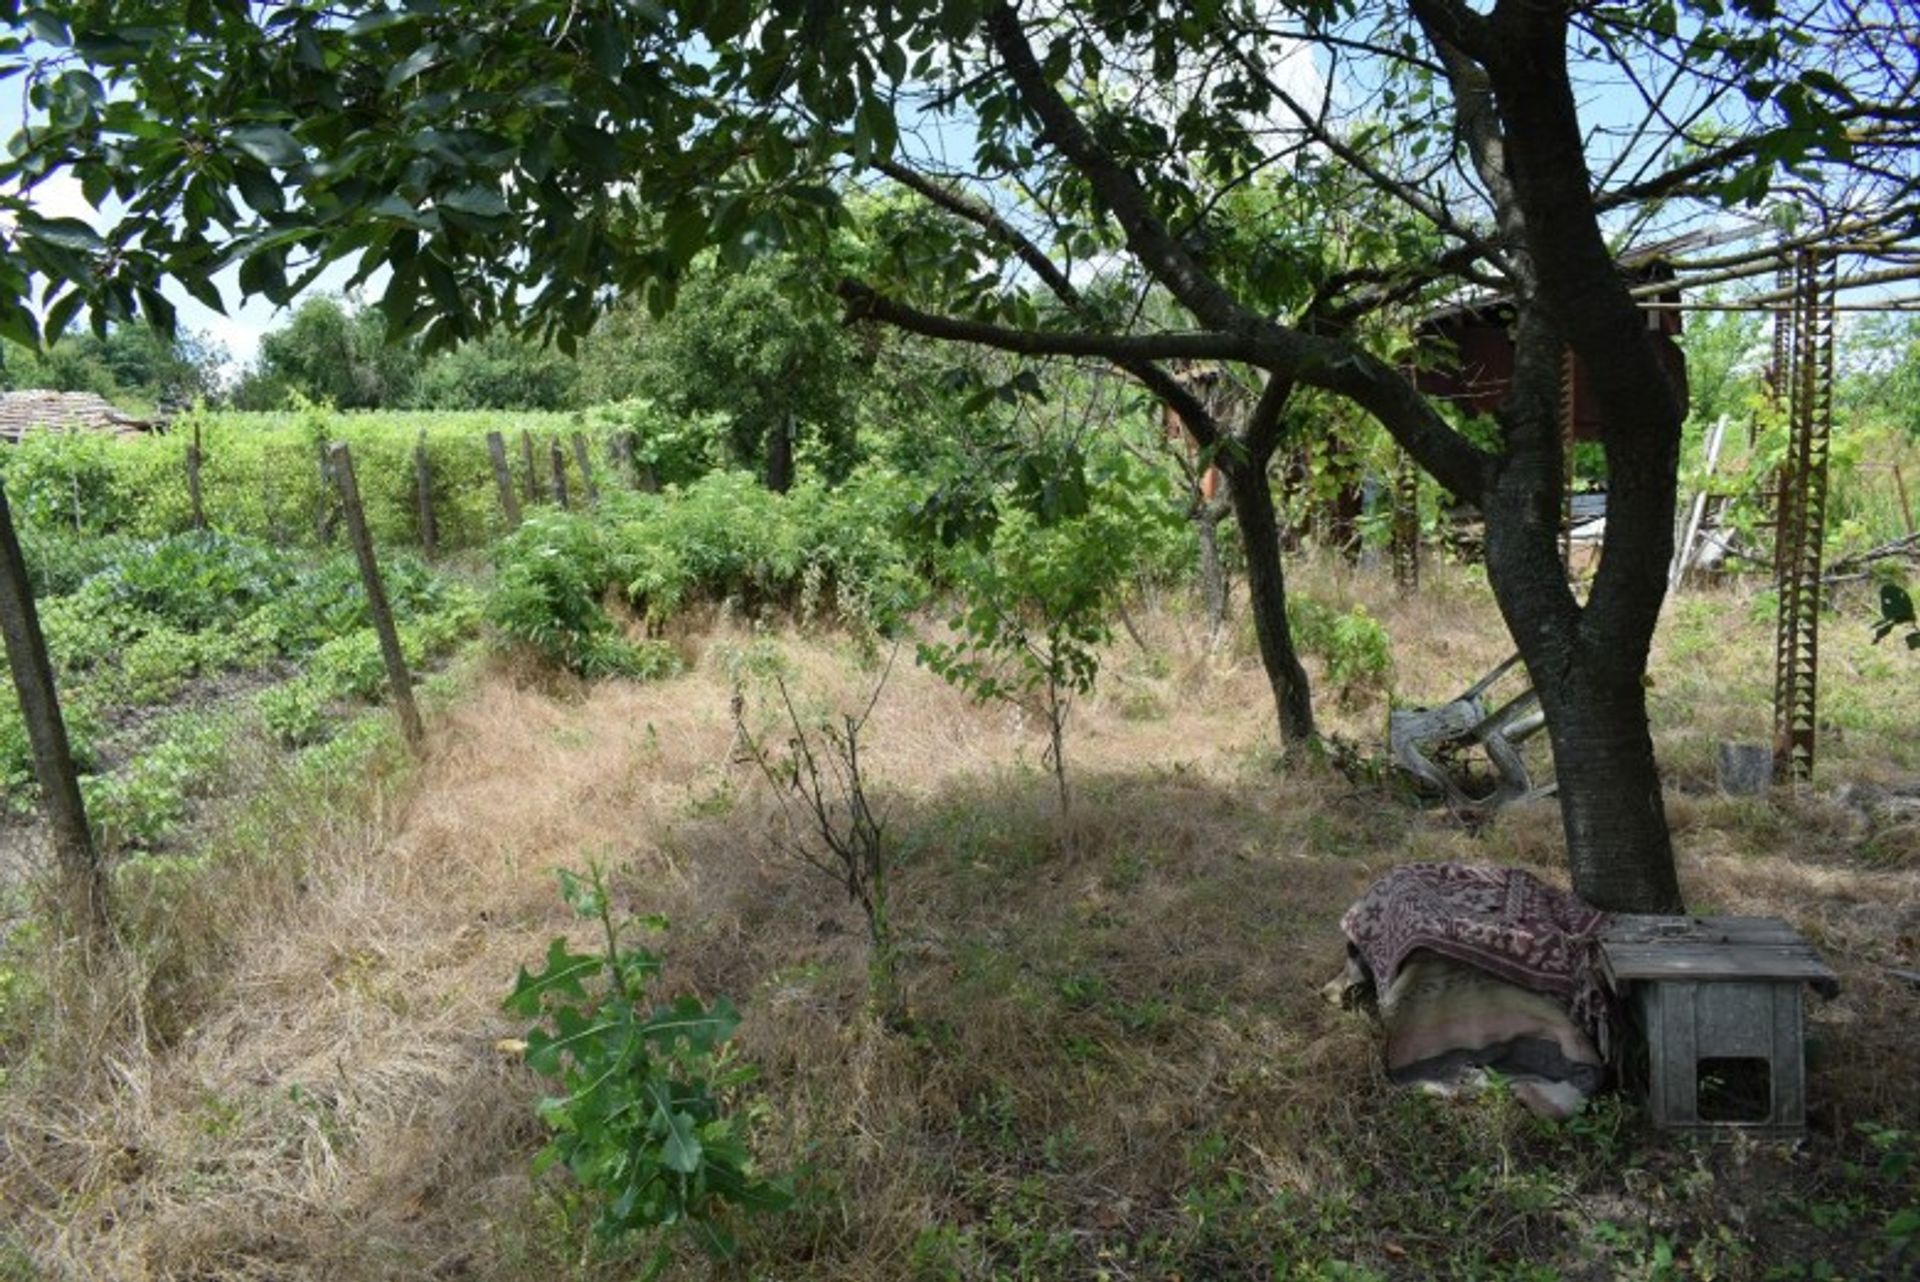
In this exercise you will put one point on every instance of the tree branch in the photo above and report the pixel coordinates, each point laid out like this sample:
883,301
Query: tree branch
1287,355
1117,188
1163,385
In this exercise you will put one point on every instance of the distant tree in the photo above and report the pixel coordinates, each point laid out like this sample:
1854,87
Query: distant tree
742,345
132,366
609,358
1882,388
1726,358
327,353
497,372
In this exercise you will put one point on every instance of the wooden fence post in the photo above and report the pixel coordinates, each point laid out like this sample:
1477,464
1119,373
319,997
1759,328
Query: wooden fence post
533,473
503,477
560,495
397,676
193,480
423,497
85,881
329,514
622,447
580,456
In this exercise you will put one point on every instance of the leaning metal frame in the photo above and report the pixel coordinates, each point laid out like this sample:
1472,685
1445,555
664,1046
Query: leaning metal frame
1802,521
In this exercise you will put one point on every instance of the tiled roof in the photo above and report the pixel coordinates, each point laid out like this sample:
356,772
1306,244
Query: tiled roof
23,412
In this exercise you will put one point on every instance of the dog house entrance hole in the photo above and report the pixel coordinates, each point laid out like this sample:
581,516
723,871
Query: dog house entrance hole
1734,1090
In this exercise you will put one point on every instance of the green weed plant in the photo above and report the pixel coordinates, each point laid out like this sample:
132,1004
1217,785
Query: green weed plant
642,1117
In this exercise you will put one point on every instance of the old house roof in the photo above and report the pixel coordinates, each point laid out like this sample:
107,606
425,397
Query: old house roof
39,411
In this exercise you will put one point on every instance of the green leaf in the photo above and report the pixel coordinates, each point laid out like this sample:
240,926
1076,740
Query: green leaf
46,27
702,1028
413,64
259,189
681,1148
379,20
67,233
476,202
562,976
18,324
269,144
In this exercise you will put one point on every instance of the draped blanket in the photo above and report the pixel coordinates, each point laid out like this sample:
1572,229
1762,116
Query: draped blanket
1484,968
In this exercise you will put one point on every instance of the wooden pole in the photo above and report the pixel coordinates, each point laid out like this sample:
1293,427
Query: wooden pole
193,480
503,478
560,495
559,473
1906,504
533,473
86,883
623,458
581,457
423,497
397,676
329,515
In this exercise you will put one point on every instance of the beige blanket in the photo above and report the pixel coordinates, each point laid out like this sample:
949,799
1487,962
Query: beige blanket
1448,1024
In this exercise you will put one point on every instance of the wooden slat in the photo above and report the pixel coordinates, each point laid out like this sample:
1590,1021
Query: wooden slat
1721,948
1701,929
1627,962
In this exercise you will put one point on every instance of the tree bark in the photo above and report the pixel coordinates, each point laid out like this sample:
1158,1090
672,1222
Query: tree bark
1213,573
780,455
1267,597
1618,845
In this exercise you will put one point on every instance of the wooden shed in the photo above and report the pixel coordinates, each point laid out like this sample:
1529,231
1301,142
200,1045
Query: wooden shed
1467,350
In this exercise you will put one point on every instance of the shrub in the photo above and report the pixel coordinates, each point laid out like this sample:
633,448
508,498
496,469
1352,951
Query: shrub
295,713
1353,644
60,560
198,580
17,783
155,666
640,1115
551,576
142,804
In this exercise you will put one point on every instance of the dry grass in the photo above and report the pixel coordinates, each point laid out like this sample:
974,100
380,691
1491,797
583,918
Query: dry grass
1123,1067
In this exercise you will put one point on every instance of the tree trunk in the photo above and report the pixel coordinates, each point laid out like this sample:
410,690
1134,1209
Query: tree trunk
1267,597
780,455
1213,574
1586,661
1610,804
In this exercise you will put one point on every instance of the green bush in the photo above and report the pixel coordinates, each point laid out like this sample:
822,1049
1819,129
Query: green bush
816,552
17,783
552,574
295,713
261,475
142,804
154,667
639,1115
197,580
59,560
1353,644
